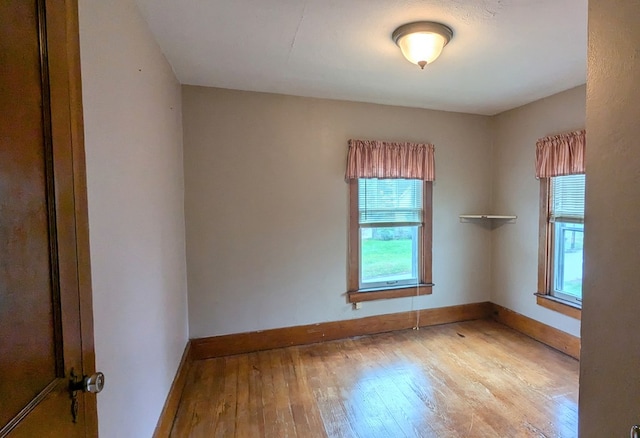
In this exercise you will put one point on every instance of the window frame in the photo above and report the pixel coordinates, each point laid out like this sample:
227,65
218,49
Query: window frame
425,239
546,262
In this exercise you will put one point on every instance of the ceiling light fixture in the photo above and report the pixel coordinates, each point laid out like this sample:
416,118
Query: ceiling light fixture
422,42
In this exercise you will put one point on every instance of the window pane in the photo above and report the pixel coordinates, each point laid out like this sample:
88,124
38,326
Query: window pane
568,244
390,201
389,256
567,198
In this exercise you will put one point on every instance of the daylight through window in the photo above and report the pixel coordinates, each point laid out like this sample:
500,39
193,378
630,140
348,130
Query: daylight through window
566,217
390,213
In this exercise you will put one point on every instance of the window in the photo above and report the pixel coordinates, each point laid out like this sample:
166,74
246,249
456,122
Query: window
560,167
562,237
390,192
390,238
567,217
390,213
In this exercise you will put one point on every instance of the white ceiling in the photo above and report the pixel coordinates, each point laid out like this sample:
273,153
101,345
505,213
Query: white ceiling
504,53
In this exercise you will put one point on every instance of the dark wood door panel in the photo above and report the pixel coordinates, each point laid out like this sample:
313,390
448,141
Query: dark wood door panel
50,417
30,359
41,337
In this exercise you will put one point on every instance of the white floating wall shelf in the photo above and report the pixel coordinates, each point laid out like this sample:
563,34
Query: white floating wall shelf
505,217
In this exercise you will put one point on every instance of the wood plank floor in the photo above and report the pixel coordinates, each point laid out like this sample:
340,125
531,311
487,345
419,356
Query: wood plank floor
471,379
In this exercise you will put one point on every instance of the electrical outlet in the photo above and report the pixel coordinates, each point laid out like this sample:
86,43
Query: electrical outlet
357,306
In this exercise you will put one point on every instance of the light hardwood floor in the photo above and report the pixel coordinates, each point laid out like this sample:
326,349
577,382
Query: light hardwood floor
471,379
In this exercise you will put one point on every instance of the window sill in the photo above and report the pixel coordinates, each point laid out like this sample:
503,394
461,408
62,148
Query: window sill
558,305
383,294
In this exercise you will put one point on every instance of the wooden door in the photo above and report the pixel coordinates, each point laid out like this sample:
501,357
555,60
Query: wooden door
45,298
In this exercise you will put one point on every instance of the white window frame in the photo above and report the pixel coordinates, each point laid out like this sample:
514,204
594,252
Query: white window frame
423,286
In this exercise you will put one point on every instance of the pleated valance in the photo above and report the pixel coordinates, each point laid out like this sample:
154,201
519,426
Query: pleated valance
561,154
382,159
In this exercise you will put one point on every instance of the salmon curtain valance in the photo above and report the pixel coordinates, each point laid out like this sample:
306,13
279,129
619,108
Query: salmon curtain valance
381,159
560,154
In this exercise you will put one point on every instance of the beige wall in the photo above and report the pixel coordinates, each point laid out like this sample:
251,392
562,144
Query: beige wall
517,191
132,111
266,206
609,382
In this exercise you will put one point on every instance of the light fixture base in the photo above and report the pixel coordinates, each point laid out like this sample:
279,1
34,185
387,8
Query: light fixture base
423,26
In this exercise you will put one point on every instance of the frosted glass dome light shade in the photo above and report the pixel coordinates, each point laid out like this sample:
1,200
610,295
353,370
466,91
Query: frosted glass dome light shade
422,42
